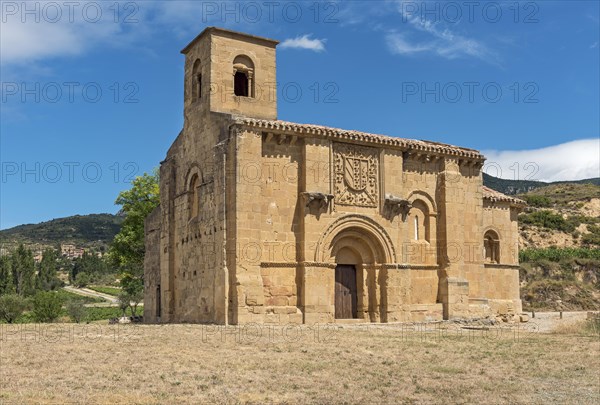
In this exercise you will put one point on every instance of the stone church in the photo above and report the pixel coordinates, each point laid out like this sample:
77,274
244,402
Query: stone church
268,221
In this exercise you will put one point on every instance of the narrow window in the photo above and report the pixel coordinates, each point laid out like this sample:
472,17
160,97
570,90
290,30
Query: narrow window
158,304
199,85
420,212
417,227
241,84
194,196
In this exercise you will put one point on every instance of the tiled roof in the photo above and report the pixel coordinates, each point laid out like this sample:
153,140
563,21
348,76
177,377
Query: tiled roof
494,196
357,136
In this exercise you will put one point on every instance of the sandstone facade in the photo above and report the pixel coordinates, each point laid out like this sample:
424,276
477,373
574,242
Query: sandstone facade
268,221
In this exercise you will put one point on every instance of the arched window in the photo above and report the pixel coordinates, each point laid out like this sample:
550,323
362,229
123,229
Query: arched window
420,221
491,247
196,81
243,76
194,195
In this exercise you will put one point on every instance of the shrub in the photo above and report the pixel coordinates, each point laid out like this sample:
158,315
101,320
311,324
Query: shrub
102,313
47,306
549,220
538,201
76,310
592,238
11,307
555,254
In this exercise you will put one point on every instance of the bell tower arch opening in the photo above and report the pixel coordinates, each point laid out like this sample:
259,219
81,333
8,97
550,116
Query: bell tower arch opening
243,76
196,81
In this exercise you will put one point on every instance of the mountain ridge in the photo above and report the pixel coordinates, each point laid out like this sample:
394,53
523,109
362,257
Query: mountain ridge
513,187
87,231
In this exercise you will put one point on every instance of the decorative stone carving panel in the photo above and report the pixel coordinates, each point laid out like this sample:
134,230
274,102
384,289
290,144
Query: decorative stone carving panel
356,174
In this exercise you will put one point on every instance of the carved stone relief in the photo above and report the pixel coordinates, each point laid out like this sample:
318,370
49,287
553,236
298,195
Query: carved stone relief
356,174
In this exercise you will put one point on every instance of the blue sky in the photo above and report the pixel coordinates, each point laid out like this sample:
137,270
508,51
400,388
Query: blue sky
519,82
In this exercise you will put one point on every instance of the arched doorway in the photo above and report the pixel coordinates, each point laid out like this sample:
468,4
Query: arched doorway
348,263
358,249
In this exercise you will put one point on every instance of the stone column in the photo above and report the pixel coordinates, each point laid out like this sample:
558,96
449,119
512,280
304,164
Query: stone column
247,278
317,279
167,240
454,287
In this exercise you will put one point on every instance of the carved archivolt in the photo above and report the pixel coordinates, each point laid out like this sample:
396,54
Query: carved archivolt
356,174
360,227
426,198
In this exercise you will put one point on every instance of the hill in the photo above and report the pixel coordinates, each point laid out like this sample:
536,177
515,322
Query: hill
88,231
512,187
559,238
561,215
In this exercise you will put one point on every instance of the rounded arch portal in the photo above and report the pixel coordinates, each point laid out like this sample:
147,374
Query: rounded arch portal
355,238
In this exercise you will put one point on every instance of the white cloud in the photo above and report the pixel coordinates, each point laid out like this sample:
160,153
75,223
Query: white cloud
304,42
399,45
29,42
575,160
25,41
52,29
594,45
439,40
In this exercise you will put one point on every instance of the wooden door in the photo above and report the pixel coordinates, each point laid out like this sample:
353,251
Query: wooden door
345,292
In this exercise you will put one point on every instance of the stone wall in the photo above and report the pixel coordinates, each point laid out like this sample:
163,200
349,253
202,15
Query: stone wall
152,287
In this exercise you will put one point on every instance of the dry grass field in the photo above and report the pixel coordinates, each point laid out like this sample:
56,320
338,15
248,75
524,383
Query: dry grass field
391,364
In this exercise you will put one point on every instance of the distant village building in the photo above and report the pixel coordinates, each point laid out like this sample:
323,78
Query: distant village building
71,251
263,220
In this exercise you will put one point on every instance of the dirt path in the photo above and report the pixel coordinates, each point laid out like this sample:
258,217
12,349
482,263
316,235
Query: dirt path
91,293
549,321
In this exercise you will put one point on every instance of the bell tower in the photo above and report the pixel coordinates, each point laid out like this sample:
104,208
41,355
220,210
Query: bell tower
231,72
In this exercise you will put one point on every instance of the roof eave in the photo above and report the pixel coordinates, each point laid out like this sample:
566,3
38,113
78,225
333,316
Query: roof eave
360,137
265,41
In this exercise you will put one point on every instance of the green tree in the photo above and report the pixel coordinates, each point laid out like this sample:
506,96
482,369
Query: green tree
135,291
76,310
124,301
11,307
91,264
127,249
47,306
46,278
23,271
82,280
6,281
